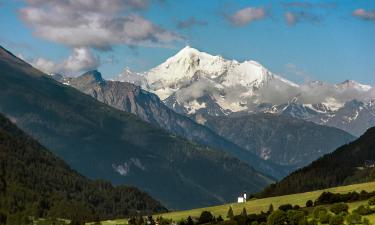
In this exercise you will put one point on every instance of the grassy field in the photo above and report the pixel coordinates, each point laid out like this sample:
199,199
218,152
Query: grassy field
258,205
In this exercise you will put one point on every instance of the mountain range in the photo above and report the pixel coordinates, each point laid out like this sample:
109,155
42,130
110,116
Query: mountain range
195,82
147,106
100,141
242,136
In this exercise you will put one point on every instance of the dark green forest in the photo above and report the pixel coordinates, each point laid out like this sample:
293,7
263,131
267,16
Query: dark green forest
346,165
34,182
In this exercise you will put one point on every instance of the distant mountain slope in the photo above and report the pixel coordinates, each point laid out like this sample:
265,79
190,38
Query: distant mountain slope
150,108
354,116
34,182
102,142
343,166
280,139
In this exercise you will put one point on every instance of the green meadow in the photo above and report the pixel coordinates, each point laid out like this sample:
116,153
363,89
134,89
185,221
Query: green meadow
258,205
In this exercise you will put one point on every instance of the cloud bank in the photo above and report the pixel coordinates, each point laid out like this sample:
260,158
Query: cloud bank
247,15
364,14
96,24
190,22
81,59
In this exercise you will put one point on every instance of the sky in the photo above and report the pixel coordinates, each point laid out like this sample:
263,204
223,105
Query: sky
300,40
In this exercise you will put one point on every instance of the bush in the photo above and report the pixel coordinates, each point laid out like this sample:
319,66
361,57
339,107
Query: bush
336,220
286,207
339,208
296,217
371,201
230,214
278,217
205,217
3,218
309,203
364,210
270,208
312,222
244,212
324,218
318,211
354,218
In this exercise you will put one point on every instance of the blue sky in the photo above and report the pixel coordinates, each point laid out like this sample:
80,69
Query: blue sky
321,40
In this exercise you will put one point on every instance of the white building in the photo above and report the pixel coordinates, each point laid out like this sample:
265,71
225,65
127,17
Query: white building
242,199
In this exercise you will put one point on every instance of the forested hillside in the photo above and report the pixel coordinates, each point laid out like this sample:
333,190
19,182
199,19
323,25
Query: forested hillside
34,182
351,163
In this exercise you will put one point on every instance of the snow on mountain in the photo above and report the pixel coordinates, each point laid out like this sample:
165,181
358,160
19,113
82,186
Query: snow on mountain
191,75
195,82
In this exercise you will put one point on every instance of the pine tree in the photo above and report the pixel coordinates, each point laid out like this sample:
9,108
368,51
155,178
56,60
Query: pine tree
189,221
244,212
230,214
270,208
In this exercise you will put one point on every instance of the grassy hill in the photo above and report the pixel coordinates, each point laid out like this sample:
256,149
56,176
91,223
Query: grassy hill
258,205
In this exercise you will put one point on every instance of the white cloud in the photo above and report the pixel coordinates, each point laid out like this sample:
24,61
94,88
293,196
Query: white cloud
290,18
364,14
81,60
247,15
96,23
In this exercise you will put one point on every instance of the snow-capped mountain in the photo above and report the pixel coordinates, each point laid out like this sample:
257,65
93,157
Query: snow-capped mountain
191,77
194,82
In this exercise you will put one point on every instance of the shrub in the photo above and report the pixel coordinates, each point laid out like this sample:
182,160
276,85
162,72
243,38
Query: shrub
309,203
270,208
312,222
295,217
230,214
3,218
244,212
364,210
324,218
354,218
189,221
339,208
296,207
336,220
318,211
286,207
205,217
371,201
278,217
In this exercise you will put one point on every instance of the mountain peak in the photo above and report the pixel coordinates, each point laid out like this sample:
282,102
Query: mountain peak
353,84
92,76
